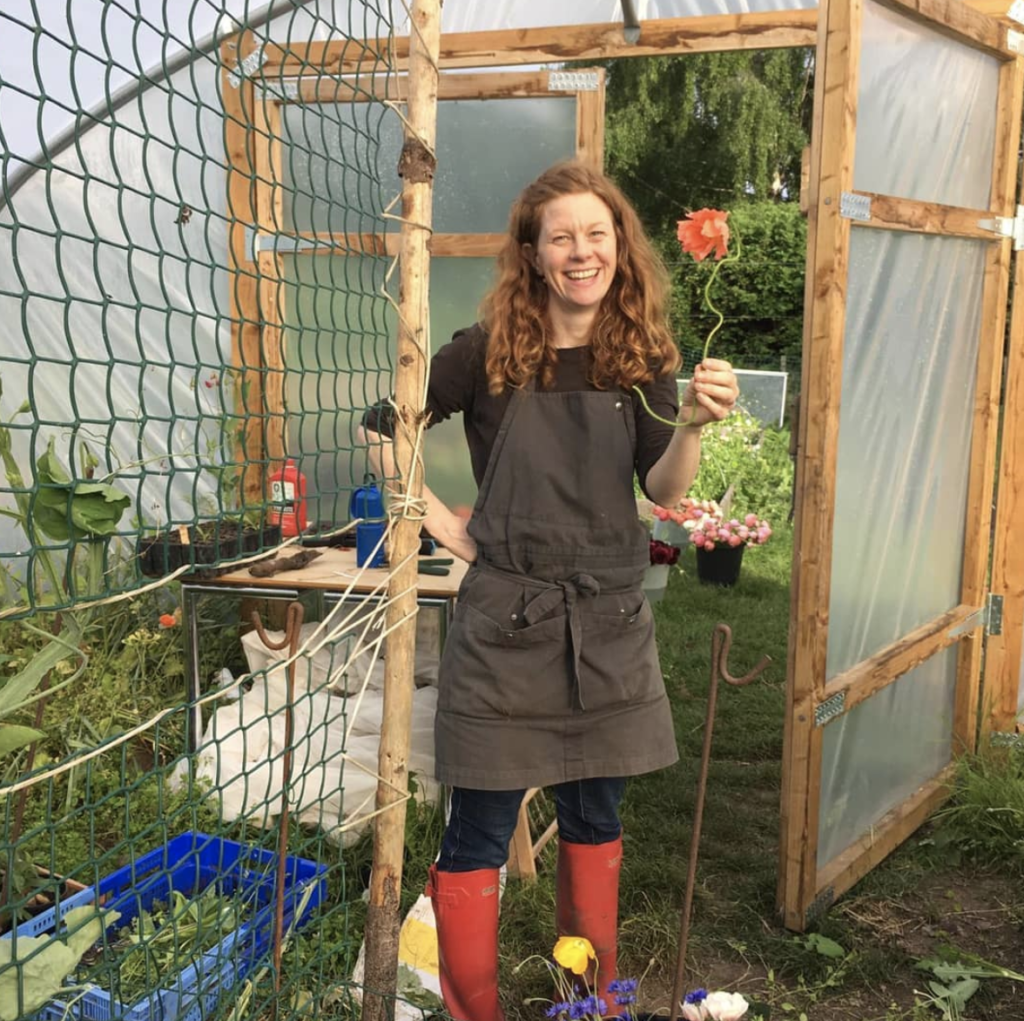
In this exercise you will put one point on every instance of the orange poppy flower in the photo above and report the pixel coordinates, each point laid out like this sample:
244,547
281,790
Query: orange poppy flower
171,619
704,232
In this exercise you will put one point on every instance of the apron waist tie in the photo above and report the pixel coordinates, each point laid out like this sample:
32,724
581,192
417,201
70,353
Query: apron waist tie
568,592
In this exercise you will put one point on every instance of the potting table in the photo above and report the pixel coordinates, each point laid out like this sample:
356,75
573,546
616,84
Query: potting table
330,574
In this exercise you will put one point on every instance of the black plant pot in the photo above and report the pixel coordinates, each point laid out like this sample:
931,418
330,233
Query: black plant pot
720,566
209,544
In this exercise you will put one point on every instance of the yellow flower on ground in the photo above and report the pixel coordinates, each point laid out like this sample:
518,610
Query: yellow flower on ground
574,953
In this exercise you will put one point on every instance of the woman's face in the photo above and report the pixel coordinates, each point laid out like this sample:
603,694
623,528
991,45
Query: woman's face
576,251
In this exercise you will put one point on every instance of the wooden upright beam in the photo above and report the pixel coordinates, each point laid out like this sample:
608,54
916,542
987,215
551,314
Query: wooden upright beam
238,99
555,44
829,243
416,167
1004,652
986,402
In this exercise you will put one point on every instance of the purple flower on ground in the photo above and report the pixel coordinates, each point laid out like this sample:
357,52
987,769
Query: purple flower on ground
697,996
557,1008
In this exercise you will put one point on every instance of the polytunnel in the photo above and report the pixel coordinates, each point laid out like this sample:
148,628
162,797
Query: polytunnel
198,233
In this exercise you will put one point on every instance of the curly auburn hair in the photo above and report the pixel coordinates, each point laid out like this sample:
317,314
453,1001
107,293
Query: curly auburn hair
630,338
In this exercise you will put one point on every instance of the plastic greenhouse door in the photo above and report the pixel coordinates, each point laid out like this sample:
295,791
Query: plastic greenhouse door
906,298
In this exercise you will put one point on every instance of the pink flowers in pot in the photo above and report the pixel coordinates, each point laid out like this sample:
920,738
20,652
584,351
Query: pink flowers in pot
709,528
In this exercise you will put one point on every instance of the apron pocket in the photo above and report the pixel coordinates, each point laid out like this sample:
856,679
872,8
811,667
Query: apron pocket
619,659
490,671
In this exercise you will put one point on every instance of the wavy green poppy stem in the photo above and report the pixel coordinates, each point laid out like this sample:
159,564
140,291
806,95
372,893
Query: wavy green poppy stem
707,343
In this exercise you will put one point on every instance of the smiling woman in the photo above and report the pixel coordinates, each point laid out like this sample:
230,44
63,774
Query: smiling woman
550,673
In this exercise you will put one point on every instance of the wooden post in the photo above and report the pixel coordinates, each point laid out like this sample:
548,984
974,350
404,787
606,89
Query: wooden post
238,97
416,167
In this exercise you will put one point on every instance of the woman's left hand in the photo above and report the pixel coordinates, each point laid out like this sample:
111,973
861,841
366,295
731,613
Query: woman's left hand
713,391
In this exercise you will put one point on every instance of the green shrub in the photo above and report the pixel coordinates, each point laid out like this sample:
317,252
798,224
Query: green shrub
754,460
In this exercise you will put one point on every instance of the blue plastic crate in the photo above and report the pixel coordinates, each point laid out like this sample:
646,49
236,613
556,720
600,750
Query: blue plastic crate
188,864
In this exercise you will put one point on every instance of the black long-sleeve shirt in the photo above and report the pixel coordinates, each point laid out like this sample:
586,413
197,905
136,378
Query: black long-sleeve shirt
458,382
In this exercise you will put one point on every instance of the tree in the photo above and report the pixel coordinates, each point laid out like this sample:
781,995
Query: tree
709,129
725,130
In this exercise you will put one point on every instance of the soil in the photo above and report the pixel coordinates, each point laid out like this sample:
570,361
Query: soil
973,911
208,543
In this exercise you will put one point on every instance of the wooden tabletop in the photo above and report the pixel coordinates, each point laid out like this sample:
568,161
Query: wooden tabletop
336,569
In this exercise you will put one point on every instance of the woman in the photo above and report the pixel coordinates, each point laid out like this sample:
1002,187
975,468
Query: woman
550,675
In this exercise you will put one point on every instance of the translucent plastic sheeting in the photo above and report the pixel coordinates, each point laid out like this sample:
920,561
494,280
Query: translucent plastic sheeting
880,752
926,113
124,313
114,285
480,170
86,52
905,424
504,14
337,369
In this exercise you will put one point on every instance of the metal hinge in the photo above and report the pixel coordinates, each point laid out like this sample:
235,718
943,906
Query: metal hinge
286,89
247,67
830,709
854,207
989,616
573,81
260,241
1008,226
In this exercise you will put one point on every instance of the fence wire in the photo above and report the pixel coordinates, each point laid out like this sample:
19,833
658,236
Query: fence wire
169,330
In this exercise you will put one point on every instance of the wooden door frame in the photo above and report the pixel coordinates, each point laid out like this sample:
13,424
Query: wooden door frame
805,889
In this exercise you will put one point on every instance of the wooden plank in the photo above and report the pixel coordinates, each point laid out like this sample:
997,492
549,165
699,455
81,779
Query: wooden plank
993,8
590,123
269,219
956,19
891,213
659,37
485,85
1003,652
825,305
472,246
984,441
243,305
887,665
884,836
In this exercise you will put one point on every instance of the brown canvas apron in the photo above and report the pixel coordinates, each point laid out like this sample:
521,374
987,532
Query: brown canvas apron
550,672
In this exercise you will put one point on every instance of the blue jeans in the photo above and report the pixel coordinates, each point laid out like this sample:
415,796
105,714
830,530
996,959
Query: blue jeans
481,823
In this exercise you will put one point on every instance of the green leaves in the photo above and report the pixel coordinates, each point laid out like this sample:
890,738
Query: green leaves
67,510
14,737
43,963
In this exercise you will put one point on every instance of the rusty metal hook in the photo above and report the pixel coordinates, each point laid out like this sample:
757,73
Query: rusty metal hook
721,641
292,636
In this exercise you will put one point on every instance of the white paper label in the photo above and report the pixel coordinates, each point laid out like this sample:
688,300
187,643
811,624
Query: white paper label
282,492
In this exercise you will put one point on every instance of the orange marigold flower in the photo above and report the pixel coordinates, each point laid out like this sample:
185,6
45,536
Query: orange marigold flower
170,619
704,232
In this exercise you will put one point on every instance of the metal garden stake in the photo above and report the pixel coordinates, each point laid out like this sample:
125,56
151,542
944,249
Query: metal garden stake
292,634
721,639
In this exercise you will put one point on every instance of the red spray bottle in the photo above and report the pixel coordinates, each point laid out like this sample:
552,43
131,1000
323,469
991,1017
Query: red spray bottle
288,499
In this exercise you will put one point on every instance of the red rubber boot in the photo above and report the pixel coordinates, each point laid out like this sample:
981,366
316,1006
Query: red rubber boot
587,904
466,911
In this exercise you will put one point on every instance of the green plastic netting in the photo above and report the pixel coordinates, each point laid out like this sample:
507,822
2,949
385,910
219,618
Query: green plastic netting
170,330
